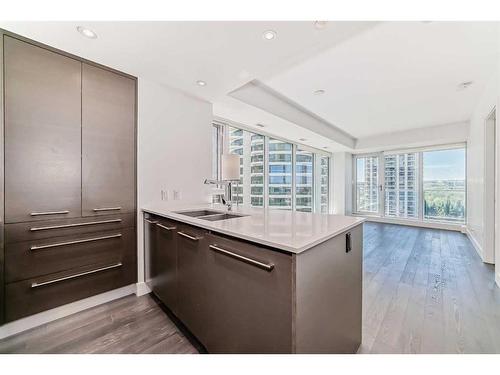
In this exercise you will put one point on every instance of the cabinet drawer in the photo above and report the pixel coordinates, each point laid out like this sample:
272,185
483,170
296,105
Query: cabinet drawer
55,228
248,283
31,296
24,260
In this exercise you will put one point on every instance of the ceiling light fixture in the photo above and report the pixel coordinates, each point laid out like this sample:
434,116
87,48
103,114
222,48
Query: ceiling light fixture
86,32
261,126
302,139
269,34
319,92
325,147
320,25
201,83
464,85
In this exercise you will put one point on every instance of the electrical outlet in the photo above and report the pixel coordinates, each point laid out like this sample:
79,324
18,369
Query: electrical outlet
164,195
177,195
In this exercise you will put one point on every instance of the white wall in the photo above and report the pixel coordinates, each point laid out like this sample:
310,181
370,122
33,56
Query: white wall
476,170
428,136
174,149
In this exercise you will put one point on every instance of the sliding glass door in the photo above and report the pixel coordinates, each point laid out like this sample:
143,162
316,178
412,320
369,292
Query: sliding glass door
427,184
367,184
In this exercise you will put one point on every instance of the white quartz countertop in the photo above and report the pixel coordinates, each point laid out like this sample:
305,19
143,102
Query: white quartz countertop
290,231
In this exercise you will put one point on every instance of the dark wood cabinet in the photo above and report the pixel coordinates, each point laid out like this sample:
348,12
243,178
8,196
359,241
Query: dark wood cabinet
42,104
70,206
250,304
164,263
192,291
241,297
108,142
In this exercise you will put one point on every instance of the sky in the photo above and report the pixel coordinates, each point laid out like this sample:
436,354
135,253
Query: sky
444,165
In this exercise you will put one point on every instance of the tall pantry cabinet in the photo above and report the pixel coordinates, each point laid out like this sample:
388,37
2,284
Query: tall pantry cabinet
68,178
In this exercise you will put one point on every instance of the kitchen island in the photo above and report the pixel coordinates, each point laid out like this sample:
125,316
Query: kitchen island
253,280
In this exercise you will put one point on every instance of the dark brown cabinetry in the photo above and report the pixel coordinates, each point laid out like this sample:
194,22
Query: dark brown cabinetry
240,297
108,139
69,140
42,145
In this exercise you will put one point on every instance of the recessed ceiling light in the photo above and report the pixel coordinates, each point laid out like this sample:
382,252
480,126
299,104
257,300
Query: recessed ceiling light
320,25
325,147
302,139
201,83
464,85
269,34
319,92
86,32
261,126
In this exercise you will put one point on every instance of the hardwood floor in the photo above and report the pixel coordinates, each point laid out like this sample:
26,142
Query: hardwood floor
425,291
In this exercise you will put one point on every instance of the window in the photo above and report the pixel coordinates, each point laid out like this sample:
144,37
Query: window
275,173
422,185
324,183
401,185
444,185
367,184
304,180
280,174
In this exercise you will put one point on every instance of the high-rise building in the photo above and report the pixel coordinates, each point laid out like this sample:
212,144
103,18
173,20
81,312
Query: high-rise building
400,174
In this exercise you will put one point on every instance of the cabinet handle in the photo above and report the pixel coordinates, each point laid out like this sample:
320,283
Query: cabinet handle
76,225
150,221
36,285
107,209
188,236
165,227
49,213
39,247
265,266
348,242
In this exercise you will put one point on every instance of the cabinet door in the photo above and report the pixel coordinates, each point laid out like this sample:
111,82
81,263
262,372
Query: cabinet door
250,305
164,263
192,280
42,133
108,142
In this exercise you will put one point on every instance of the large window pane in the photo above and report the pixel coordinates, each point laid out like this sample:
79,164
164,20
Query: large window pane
367,184
280,174
324,183
236,147
444,185
401,185
256,170
304,180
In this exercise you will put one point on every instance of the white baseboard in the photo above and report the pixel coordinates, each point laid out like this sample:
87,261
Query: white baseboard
36,320
142,288
415,223
476,244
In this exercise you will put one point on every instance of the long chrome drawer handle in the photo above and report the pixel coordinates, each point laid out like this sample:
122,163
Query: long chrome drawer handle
107,209
49,213
76,225
188,236
36,285
165,227
265,266
150,221
38,247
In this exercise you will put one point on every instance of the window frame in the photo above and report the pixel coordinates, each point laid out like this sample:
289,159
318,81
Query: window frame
381,184
316,153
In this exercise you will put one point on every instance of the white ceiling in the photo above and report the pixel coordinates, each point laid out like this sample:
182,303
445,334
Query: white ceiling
396,76
224,54
378,77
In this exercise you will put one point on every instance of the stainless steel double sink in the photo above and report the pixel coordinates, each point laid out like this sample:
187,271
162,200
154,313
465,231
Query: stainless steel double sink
210,215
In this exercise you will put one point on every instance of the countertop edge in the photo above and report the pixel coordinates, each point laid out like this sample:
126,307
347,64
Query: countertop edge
293,250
